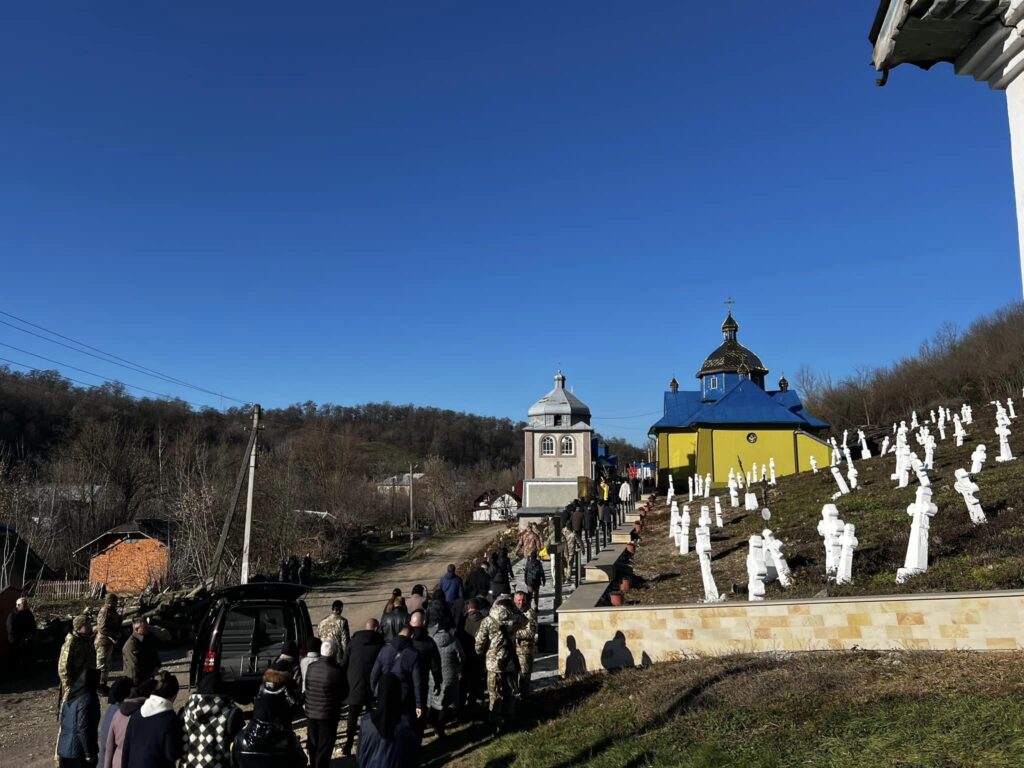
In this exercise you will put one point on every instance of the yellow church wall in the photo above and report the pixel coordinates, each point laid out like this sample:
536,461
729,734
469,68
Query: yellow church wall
771,443
676,453
807,446
705,452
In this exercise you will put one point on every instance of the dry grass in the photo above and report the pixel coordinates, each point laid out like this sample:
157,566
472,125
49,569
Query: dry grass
963,557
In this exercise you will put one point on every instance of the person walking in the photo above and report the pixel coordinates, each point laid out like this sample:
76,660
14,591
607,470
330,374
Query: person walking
605,510
430,659
209,722
335,627
108,632
417,600
139,654
401,659
478,583
362,652
76,656
495,642
444,694
570,543
454,590
526,643
120,690
438,613
395,617
326,689
77,743
269,740
534,576
529,541
590,516
501,575
388,736
153,737
474,675
306,570
21,631
112,749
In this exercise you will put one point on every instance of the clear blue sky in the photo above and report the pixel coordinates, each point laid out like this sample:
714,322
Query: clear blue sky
439,203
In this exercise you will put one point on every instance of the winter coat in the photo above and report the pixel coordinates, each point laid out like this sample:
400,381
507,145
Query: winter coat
153,736
500,578
401,659
496,638
452,658
326,689
116,734
209,724
400,751
105,721
472,625
529,542
392,622
439,614
335,627
606,513
576,521
363,649
451,585
267,745
534,573
478,583
141,659
21,625
79,721
590,519
430,659
276,701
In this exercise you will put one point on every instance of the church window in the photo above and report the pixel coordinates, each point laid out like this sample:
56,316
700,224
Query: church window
568,446
714,382
547,446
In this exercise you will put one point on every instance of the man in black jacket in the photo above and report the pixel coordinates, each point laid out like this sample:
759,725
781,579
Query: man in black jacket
360,655
576,520
473,673
326,688
430,658
140,656
478,583
400,659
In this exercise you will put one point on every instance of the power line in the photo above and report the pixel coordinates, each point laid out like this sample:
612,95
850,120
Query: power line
92,385
635,416
109,357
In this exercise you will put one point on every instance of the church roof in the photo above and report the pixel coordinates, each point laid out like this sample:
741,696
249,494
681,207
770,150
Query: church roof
731,355
746,403
558,402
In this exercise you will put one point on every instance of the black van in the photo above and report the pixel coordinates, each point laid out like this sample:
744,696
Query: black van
244,631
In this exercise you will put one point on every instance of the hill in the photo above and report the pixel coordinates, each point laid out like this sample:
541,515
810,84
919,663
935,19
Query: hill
836,710
963,556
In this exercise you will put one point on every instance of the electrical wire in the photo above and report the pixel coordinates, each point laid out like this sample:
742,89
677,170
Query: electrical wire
634,416
109,357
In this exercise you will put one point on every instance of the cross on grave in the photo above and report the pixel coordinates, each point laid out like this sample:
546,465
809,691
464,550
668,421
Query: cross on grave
558,469
921,512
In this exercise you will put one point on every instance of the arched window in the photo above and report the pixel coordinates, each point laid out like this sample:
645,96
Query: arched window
568,446
547,446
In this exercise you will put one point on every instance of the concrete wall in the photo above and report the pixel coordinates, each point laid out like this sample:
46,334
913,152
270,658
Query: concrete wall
549,493
592,637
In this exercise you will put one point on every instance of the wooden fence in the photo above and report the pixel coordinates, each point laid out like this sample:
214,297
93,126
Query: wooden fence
62,590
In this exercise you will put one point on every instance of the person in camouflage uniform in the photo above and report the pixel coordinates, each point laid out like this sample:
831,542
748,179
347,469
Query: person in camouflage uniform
526,643
529,541
569,544
335,627
496,639
76,656
108,632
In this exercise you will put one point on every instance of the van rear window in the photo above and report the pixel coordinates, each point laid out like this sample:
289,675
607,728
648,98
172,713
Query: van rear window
256,634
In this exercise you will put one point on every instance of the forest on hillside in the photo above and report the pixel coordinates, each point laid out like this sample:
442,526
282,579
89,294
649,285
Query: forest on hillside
983,363
76,461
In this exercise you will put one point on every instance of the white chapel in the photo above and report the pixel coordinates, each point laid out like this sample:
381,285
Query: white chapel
558,445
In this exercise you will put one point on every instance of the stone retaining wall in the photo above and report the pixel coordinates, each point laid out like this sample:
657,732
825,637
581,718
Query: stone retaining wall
591,638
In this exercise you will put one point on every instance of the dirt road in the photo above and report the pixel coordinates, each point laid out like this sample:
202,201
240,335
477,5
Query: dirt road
28,727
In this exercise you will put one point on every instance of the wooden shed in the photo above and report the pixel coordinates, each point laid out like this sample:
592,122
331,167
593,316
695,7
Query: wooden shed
130,557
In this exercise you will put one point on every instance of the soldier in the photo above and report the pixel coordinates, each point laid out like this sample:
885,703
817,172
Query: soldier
526,643
569,544
76,656
335,627
108,630
529,541
496,639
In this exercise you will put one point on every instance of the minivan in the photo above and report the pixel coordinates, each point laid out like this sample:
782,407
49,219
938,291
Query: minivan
244,631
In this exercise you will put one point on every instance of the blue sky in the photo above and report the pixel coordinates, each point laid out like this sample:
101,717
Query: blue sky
440,203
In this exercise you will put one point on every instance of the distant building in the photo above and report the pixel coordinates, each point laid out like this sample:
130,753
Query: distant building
732,421
130,557
495,506
558,439
399,483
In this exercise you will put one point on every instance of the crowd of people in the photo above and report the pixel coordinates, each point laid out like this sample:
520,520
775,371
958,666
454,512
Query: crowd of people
461,651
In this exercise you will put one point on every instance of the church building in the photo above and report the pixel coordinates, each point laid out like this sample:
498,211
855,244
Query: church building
732,420
559,447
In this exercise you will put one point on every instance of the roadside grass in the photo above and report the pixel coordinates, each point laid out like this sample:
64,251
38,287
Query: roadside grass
963,557
828,710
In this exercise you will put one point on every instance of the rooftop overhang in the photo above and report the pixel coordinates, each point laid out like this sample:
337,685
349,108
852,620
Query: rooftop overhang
979,37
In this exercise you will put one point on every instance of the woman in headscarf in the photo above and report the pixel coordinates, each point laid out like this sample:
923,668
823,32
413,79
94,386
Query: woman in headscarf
388,736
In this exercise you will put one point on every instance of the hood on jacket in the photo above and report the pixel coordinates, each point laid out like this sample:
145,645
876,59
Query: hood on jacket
443,638
275,679
129,707
154,705
401,642
502,612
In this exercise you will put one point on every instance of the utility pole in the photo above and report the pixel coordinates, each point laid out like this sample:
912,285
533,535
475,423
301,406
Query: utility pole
248,498
411,468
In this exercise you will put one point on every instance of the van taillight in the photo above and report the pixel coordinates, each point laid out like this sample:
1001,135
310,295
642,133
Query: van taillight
210,662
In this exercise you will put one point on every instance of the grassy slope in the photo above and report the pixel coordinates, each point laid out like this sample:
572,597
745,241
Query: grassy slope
963,557
834,710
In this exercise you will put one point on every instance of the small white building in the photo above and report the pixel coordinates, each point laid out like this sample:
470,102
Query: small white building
558,446
496,506
398,484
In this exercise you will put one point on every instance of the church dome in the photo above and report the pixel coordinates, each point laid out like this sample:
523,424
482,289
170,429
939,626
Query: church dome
731,355
559,402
